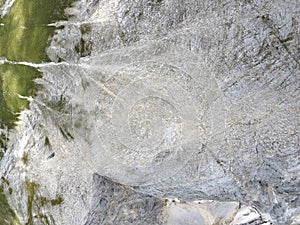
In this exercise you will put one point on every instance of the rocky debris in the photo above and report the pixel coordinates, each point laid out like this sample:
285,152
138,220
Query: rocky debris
213,212
113,203
189,99
250,215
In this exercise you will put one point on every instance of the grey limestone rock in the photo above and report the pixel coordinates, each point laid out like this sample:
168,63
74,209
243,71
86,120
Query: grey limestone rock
114,203
170,99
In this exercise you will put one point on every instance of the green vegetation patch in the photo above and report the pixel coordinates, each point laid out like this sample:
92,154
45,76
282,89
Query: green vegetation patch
57,201
8,216
24,36
25,158
35,203
31,189
1,3
25,33
15,80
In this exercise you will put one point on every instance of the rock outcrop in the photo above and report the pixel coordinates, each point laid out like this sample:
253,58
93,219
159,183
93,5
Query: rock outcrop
147,101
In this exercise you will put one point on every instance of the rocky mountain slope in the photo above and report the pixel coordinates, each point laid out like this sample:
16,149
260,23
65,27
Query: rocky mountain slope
151,108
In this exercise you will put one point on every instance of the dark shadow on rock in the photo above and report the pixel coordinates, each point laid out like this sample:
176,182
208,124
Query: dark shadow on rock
114,203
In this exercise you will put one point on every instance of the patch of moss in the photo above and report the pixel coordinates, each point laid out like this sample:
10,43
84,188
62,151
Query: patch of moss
47,142
1,155
15,81
8,216
84,48
3,137
25,158
5,180
2,3
24,37
25,32
85,29
31,189
45,219
43,201
36,202
57,201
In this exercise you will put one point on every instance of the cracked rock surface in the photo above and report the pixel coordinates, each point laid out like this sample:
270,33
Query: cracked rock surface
147,101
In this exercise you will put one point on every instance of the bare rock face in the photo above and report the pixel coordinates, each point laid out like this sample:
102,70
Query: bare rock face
170,99
114,203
